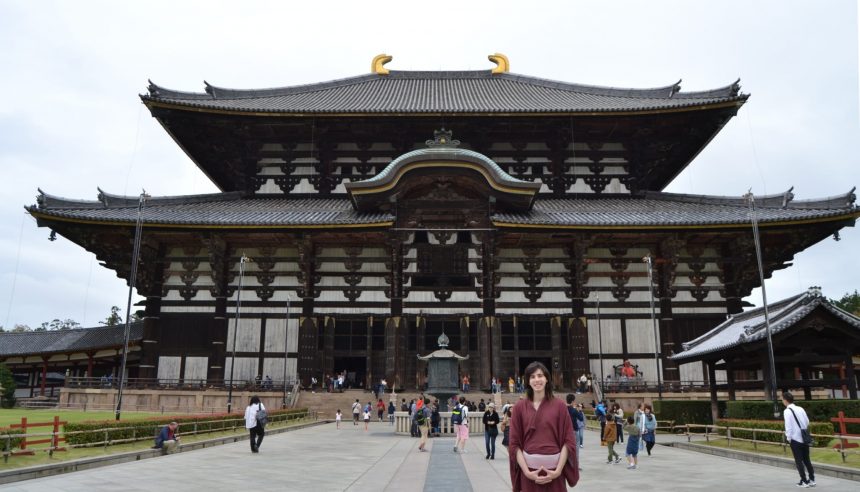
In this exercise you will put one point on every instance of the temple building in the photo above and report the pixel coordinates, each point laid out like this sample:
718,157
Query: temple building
382,210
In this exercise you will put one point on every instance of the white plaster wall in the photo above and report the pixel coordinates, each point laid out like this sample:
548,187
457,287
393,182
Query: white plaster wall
168,368
640,335
611,330
691,372
246,369
249,334
196,367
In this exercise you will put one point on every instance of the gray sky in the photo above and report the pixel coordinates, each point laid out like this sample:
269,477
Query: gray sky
70,118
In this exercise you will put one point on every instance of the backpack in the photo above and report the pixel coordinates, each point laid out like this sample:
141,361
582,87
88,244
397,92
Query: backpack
420,417
457,415
261,416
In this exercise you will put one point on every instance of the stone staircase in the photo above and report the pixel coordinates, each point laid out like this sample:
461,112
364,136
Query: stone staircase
38,402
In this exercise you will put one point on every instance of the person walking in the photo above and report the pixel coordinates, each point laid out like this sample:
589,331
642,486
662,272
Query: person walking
600,412
511,384
797,434
609,437
618,415
649,422
391,410
460,419
380,409
491,430
356,410
367,416
422,420
505,425
254,427
337,418
580,430
633,435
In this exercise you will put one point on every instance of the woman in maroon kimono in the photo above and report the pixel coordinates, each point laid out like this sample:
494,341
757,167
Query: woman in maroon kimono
542,448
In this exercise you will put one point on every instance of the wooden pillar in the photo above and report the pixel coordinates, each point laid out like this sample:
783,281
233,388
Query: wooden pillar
852,380
44,376
769,385
730,380
90,356
149,344
805,376
712,381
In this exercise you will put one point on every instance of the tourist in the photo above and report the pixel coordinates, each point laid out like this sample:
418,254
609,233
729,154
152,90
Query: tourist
493,385
404,407
466,383
356,410
600,413
609,437
633,435
435,421
618,415
366,416
482,406
391,411
511,384
422,420
583,380
380,409
167,438
337,418
384,385
505,425
491,430
542,452
573,413
255,428
461,429
649,422
413,429
796,425
580,429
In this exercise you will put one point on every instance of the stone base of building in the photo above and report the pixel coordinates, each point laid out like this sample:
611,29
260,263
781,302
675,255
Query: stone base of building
172,401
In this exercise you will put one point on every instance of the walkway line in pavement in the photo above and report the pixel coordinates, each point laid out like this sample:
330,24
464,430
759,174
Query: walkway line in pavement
446,470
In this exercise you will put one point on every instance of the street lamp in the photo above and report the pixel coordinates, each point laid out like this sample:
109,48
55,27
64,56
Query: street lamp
600,349
647,261
286,337
135,254
242,262
754,220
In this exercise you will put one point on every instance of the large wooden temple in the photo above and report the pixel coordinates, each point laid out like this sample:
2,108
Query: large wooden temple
394,206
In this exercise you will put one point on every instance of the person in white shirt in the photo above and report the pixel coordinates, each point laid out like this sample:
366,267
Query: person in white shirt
796,420
254,427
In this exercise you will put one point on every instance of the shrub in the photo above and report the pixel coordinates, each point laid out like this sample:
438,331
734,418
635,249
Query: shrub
823,428
817,410
14,442
93,431
7,399
686,411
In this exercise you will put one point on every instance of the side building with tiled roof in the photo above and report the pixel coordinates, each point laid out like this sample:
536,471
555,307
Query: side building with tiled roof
531,201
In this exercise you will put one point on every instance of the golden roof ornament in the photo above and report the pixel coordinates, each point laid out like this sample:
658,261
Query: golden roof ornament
377,65
502,63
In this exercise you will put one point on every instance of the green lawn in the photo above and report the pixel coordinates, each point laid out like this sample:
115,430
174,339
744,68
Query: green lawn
10,416
818,455
42,457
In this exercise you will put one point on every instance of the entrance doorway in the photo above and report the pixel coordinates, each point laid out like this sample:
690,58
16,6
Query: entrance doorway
356,370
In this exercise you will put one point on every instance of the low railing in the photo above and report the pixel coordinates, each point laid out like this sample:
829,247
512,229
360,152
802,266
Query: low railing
403,423
641,385
180,384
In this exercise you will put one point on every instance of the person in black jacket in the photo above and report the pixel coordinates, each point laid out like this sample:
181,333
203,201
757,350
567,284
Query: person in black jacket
491,430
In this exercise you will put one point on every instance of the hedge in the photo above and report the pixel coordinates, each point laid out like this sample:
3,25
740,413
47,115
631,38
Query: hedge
823,428
817,410
147,428
14,442
686,411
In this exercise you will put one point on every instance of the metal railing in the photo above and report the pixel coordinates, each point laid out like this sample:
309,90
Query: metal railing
641,385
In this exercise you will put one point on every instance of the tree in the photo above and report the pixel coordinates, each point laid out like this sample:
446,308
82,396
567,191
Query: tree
849,302
114,318
7,397
20,328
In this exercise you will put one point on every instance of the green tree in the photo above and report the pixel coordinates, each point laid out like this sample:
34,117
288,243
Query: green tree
7,397
849,302
114,318
20,328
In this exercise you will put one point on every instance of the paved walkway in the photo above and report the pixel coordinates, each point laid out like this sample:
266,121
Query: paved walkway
323,458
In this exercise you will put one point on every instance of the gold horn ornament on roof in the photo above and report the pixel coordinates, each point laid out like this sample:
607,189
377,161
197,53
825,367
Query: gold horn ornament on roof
377,65
502,63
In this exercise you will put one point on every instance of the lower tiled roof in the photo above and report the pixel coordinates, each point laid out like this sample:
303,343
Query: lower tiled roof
77,340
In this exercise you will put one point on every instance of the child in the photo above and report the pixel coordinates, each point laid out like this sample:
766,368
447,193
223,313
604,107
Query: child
337,418
609,436
366,417
633,434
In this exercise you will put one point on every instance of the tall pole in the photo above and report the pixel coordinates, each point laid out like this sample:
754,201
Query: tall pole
135,255
647,261
236,331
754,220
286,338
600,350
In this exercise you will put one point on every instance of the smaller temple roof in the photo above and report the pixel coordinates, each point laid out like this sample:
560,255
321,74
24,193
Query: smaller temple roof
750,326
61,341
421,92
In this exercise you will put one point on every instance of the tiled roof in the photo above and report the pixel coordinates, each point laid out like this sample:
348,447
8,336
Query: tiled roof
670,209
214,209
651,209
80,339
750,326
444,92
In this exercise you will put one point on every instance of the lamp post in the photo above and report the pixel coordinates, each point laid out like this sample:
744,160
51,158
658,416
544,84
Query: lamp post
647,261
242,262
135,255
286,338
750,198
600,349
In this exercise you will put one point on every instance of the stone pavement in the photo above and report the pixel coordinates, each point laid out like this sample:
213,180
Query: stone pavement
323,458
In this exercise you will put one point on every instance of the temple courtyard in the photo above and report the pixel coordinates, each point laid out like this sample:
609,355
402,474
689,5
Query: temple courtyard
322,458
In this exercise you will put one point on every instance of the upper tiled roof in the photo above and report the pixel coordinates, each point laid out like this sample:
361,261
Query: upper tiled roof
42,342
750,326
444,92
652,209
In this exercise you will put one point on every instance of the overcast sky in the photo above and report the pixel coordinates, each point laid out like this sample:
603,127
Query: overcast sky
70,118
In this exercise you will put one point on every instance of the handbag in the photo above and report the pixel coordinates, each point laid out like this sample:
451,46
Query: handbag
804,433
535,461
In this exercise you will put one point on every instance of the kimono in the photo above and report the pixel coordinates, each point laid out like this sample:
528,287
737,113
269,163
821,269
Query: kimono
542,431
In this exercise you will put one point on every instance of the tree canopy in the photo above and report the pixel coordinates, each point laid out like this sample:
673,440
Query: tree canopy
849,302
